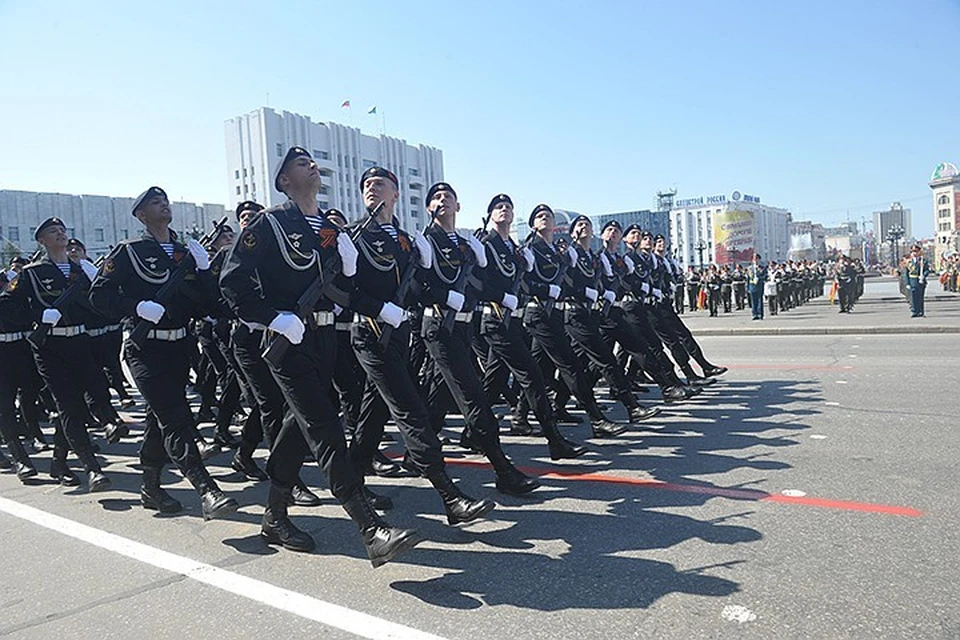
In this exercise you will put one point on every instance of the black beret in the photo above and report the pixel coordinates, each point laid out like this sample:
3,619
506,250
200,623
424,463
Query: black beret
633,227
75,242
379,172
580,218
611,223
248,205
336,213
222,229
46,224
18,260
292,154
437,188
646,234
146,195
497,199
659,236
537,209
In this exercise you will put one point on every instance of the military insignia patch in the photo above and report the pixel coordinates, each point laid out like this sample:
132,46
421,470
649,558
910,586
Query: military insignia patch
108,266
178,256
248,241
328,237
404,243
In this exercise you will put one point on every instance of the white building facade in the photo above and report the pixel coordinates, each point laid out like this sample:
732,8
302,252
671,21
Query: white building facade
945,184
100,222
257,141
725,230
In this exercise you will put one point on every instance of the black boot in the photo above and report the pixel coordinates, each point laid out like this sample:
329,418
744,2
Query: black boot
207,449
60,471
385,467
114,432
277,528
639,414
214,503
562,416
509,479
301,496
459,506
25,471
693,378
243,463
520,425
382,542
4,463
225,439
468,442
378,502
604,428
561,448
152,495
711,370
96,481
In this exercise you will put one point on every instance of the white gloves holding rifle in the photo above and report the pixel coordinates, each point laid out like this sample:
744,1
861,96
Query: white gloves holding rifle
289,326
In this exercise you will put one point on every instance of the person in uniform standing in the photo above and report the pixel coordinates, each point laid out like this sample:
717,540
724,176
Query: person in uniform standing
127,288
756,279
915,275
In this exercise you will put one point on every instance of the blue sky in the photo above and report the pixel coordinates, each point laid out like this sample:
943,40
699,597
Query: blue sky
820,107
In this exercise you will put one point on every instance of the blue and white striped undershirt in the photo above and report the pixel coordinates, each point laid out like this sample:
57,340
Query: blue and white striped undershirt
454,238
64,269
392,230
315,222
167,248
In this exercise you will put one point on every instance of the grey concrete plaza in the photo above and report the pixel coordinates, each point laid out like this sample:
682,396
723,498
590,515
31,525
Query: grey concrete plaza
810,493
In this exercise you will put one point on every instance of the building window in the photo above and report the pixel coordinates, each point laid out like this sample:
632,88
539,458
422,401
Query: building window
414,200
279,150
13,234
236,174
244,173
944,213
98,235
324,189
943,200
413,172
251,171
323,155
71,232
124,233
238,189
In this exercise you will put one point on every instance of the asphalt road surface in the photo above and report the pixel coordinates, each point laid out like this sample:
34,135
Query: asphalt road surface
812,492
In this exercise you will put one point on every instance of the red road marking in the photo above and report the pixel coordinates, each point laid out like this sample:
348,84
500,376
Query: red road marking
738,494
808,367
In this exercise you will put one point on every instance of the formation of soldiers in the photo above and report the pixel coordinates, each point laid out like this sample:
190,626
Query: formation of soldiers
950,273
782,286
325,331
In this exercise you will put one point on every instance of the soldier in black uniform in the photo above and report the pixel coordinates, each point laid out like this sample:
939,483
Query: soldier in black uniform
17,359
726,289
445,289
501,325
65,359
740,288
551,348
846,277
386,254
288,249
127,288
693,287
712,282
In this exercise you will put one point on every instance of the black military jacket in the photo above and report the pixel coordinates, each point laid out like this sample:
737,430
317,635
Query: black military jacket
585,273
640,282
136,270
281,253
618,267
505,267
449,259
380,268
546,271
38,286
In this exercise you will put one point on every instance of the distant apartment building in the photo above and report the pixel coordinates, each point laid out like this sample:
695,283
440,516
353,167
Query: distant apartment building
257,141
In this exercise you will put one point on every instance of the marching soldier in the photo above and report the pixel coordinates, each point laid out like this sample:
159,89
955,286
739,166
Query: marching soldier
17,359
129,287
292,250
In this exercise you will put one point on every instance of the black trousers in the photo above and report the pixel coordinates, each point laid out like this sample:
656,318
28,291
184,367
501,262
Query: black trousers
453,368
106,352
660,320
637,317
583,328
740,295
391,390
510,354
551,348
726,293
693,292
713,299
247,349
304,376
160,370
18,374
348,381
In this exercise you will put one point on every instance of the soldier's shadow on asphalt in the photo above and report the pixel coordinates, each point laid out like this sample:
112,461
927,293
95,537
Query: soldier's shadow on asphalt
544,558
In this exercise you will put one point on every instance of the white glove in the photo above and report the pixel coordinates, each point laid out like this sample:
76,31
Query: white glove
200,255
510,301
337,309
609,296
11,274
554,291
477,247
424,250
289,326
150,311
348,255
392,314
455,300
607,268
528,257
51,317
645,288
89,269
630,266
591,293
658,293
572,254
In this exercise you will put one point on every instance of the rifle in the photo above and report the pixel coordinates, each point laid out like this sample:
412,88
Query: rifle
39,335
277,348
139,334
550,303
406,282
460,286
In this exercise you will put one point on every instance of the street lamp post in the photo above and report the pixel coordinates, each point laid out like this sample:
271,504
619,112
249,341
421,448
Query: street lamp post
894,234
700,246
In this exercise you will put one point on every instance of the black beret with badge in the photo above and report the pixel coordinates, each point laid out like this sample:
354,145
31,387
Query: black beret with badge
633,227
46,224
611,223
146,195
248,205
75,242
292,154
437,188
537,209
580,218
497,199
379,172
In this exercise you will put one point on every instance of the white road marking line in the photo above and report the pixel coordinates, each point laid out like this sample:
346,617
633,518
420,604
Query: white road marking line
841,381
793,493
332,615
832,404
852,355
737,613
817,436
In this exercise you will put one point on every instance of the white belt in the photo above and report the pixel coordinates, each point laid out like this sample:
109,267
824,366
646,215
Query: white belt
95,333
570,305
461,316
167,335
324,318
367,320
11,337
490,311
342,326
68,332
